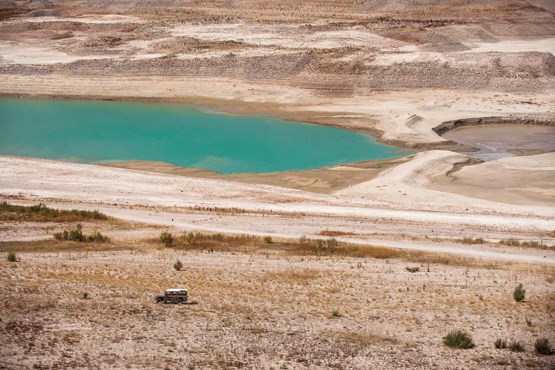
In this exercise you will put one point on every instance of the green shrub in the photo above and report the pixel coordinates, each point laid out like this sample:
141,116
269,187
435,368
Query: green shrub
542,347
77,235
11,257
268,239
97,237
178,265
167,239
500,343
518,293
335,314
516,346
458,339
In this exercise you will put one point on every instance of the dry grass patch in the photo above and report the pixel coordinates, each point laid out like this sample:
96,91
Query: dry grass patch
334,233
367,339
321,248
291,276
61,246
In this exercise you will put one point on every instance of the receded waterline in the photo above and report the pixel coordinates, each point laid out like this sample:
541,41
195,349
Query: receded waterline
95,131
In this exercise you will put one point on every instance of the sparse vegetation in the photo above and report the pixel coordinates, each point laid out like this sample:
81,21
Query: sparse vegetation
336,314
516,346
542,347
77,235
11,257
471,241
167,238
512,242
334,233
85,295
519,293
42,213
458,339
178,265
312,247
529,322
268,239
500,343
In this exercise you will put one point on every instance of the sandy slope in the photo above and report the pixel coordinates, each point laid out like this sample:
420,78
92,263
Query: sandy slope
265,210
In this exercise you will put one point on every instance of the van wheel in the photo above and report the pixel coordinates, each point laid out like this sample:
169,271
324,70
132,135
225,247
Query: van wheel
179,301
159,300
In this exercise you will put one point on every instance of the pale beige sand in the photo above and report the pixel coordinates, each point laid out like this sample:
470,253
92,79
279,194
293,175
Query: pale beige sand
519,180
167,200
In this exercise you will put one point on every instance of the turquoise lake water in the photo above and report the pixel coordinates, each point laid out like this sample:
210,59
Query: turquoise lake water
89,132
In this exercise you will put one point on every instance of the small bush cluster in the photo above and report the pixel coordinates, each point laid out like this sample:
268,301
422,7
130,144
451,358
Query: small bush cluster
11,257
178,265
335,314
458,339
268,239
77,235
519,293
512,242
516,346
500,343
167,239
542,347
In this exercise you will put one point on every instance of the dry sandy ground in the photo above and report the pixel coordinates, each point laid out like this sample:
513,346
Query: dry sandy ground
403,205
266,311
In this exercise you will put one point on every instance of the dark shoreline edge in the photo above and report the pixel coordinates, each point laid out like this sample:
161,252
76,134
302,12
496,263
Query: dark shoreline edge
466,122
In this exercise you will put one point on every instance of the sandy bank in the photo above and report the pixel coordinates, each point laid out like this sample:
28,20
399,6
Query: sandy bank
407,206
